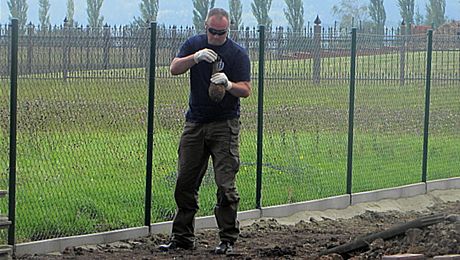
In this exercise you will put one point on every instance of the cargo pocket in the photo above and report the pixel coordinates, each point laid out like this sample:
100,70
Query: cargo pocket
234,125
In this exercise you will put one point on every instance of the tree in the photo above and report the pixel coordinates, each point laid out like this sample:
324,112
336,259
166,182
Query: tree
18,9
201,8
406,9
260,9
350,12
93,10
378,15
149,12
70,12
294,14
236,12
418,18
435,12
43,13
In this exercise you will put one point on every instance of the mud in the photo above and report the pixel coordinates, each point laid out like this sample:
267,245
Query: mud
306,239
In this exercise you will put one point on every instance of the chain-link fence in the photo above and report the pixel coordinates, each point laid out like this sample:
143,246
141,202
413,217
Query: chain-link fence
82,121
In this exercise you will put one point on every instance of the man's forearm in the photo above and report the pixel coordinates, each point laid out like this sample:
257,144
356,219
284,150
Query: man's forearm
181,65
240,89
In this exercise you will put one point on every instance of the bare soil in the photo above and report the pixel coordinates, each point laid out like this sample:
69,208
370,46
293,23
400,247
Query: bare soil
268,239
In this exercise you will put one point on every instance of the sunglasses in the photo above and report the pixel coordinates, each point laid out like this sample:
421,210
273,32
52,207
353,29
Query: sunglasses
217,32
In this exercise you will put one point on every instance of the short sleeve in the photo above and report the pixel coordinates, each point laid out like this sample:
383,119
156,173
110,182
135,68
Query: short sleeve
185,49
242,70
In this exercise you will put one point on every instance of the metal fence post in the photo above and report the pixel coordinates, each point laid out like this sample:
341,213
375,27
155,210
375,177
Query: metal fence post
106,49
402,55
317,51
30,47
351,111
246,38
174,41
150,118
7,32
13,123
66,49
279,38
260,115
123,46
429,53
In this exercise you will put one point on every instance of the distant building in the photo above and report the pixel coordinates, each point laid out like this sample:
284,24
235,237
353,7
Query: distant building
420,29
452,28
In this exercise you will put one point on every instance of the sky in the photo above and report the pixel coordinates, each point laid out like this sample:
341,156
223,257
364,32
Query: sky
120,12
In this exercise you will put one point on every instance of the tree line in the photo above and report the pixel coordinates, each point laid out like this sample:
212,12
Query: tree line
372,14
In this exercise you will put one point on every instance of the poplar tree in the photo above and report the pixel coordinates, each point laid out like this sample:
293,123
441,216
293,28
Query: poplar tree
70,12
294,14
18,9
351,12
236,13
260,9
418,18
378,15
43,13
406,9
200,11
149,12
435,12
93,10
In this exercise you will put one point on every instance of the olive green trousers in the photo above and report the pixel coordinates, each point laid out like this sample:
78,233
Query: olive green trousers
199,142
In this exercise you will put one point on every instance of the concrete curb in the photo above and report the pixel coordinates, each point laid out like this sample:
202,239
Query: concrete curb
391,193
444,184
337,202
59,244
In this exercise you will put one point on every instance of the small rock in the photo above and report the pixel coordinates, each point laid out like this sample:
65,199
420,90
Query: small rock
377,244
413,235
121,245
331,257
404,257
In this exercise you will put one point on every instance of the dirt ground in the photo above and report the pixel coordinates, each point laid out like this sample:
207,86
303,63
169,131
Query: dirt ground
310,235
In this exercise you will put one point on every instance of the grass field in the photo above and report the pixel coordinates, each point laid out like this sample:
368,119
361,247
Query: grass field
81,147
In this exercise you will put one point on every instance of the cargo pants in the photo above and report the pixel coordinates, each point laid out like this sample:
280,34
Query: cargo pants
200,141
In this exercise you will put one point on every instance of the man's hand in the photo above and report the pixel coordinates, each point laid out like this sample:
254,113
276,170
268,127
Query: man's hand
205,54
221,79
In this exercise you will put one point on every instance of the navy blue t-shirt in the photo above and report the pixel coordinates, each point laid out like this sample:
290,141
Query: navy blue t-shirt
237,68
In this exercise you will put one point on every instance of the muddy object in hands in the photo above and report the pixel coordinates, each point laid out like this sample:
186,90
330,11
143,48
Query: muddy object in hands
216,92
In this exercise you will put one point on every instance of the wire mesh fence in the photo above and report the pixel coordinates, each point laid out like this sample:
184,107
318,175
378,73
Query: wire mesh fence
389,111
4,128
443,155
80,142
82,120
304,154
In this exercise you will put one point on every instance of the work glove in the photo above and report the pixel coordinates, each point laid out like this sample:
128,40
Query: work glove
205,54
221,79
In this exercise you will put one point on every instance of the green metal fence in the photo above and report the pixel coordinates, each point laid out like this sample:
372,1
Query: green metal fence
85,124
444,128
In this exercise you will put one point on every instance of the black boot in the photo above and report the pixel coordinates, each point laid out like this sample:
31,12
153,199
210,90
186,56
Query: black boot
224,247
173,245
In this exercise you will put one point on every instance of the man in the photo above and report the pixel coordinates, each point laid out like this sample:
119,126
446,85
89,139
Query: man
211,130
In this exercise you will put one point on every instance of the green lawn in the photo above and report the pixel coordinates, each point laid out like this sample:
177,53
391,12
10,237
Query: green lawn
81,147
